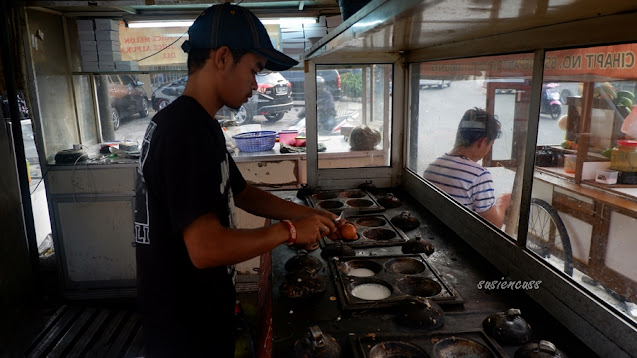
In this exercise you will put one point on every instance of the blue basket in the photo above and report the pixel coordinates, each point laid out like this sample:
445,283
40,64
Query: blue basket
255,141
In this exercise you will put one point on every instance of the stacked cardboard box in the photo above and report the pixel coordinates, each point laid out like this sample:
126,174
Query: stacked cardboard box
293,42
333,21
100,46
88,45
315,32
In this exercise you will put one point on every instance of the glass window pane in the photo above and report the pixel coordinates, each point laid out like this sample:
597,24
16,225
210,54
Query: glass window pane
353,115
469,132
583,214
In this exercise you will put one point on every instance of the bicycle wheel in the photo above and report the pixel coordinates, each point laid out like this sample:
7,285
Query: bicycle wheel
547,231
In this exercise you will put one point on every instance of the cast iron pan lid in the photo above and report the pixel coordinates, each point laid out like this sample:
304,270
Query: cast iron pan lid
303,260
302,284
421,312
405,221
390,201
337,249
368,186
508,327
316,344
543,349
418,245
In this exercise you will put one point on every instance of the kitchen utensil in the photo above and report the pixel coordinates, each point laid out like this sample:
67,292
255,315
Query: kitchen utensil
543,349
390,201
368,186
303,283
460,347
303,260
421,312
405,221
418,245
508,327
316,344
338,249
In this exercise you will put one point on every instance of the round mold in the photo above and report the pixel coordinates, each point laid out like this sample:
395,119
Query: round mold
359,203
395,349
327,195
419,286
370,290
379,234
353,194
371,221
330,204
405,266
355,268
460,347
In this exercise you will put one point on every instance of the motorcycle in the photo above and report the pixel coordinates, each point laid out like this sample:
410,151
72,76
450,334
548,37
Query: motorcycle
329,125
550,102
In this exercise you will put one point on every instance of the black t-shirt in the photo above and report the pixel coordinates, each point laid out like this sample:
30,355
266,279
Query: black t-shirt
184,172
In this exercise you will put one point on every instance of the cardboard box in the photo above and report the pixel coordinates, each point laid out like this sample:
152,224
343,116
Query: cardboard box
126,66
109,56
89,56
292,35
318,32
85,25
88,46
90,66
86,35
107,66
108,46
106,24
101,35
334,21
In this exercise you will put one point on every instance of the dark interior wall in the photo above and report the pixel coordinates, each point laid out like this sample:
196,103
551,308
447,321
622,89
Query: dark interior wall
16,278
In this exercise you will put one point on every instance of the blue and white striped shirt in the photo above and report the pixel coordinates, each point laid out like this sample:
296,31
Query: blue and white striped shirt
464,180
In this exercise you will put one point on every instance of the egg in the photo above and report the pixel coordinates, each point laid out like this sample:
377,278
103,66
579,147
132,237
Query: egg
348,232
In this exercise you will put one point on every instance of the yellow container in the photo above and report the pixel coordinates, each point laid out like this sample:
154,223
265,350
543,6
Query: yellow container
623,158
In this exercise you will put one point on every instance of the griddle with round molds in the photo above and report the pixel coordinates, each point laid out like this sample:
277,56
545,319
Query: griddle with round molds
435,344
367,282
337,200
372,230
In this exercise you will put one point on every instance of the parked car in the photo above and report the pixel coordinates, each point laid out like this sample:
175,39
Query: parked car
272,99
297,79
128,97
429,83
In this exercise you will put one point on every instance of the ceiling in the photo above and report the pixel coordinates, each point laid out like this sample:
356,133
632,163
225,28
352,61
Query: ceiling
164,8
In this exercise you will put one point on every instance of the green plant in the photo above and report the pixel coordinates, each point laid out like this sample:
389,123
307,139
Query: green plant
352,84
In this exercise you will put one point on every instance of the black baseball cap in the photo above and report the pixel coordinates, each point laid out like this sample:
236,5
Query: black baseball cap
238,28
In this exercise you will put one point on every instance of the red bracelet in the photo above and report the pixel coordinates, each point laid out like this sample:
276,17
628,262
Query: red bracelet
292,239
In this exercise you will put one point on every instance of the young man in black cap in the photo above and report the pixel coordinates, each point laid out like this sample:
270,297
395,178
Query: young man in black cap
459,174
188,187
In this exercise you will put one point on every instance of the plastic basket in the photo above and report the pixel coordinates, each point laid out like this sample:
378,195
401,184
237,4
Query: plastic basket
255,141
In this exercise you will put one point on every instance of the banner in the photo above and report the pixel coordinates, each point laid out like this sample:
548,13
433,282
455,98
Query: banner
139,43
600,63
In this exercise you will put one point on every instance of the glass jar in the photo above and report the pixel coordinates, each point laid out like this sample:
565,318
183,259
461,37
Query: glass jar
624,156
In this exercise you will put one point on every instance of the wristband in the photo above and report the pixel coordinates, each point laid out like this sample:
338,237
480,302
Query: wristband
292,229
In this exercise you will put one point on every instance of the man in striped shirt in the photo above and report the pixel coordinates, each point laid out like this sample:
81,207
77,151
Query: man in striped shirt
459,174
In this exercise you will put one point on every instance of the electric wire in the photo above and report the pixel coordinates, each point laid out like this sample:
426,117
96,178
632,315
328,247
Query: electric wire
153,54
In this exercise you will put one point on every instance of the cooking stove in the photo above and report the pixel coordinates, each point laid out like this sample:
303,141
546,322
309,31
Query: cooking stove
438,344
338,200
364,282
372,231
